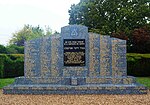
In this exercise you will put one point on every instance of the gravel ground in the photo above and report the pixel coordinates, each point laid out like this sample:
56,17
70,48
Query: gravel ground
74,99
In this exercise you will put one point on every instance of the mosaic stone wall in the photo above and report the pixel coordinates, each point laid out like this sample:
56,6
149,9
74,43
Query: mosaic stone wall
104,56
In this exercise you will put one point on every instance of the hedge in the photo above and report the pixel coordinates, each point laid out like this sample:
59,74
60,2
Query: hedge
138,64
2,58
12,65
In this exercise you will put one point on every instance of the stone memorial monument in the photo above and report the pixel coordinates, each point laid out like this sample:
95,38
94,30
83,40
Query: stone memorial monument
75,62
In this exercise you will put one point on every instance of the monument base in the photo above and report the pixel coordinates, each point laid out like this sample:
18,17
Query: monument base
85,85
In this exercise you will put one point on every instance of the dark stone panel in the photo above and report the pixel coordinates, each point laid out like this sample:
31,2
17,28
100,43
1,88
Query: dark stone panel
74,52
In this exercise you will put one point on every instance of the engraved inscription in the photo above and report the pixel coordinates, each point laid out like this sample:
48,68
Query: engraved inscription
74,52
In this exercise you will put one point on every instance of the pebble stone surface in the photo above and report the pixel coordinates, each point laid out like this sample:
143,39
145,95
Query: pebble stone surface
74,99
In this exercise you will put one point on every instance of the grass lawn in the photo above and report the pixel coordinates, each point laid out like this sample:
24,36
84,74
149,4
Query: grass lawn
142,80
5,82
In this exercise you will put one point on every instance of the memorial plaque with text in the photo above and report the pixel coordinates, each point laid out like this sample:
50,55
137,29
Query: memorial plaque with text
74,52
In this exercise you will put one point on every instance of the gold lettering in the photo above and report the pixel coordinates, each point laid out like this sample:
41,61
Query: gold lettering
74,43
74,57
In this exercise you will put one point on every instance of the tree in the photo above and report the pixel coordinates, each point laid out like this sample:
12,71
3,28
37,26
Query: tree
110,16
141,40
117,18
27,33
48,31
2,49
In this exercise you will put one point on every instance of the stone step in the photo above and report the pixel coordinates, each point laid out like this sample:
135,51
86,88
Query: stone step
76,80
81,89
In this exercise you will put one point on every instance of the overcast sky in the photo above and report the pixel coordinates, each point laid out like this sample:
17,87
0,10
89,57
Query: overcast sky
14,14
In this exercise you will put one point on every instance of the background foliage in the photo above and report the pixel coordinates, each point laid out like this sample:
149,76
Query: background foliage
11,65
126,19
11,49
138,64
27,33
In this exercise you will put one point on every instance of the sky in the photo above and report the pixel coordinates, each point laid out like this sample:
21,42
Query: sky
14,14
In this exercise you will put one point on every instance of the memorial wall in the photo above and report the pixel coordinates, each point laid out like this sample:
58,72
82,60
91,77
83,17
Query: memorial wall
75,62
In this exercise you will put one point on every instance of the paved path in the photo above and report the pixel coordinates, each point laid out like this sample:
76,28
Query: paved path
74,99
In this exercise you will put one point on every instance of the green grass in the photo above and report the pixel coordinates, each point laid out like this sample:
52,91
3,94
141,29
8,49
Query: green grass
5,82
142,80
138,55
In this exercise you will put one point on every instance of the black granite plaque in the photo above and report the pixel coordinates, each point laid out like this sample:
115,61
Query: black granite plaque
74,52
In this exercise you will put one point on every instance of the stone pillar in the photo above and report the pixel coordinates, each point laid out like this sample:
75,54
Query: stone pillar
45,56
94,55
55,56
32,56
75,33
119,65
105,56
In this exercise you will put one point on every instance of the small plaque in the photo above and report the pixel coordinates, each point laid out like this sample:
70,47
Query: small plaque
74,52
